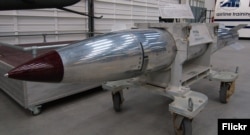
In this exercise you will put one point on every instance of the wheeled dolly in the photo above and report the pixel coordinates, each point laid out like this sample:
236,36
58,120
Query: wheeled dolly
185,70
186,105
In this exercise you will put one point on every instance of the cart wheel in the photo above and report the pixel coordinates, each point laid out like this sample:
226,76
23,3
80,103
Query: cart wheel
36,110
117,101
184,128
226,91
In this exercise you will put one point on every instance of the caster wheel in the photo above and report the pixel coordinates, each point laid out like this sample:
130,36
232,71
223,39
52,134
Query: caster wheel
185,127
36,110
226,91
117,102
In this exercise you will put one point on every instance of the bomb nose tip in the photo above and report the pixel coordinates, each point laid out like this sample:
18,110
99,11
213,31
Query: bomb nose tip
6,75
45,68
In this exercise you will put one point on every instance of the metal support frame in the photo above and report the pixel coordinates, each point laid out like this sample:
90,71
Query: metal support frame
223,76
186,103
174,81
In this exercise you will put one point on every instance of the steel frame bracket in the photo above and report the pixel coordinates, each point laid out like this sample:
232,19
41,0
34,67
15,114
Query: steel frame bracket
189,104
223,76
186,103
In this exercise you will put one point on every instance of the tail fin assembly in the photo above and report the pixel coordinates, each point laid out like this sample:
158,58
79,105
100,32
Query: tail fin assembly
238,27
228,37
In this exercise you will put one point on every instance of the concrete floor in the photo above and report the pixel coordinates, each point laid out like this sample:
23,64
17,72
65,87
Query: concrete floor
91,113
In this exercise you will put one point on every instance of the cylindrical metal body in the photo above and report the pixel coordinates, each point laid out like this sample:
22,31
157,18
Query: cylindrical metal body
117,55
196,51
109,57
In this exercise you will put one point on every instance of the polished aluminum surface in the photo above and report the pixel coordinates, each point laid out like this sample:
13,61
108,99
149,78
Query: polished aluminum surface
122,55
225,35
225,38
159,46
117,55
196,51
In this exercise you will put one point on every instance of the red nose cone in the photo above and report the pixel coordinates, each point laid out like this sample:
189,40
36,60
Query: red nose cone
45,68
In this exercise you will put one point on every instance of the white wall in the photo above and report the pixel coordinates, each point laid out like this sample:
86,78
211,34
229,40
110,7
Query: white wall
127,12
123,12
19,22
210,4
